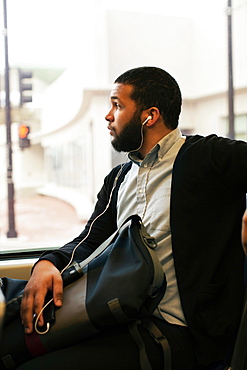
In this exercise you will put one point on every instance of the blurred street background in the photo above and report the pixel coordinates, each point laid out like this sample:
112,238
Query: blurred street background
58,61
41,221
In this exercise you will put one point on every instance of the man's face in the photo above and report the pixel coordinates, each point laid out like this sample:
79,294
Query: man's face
124,119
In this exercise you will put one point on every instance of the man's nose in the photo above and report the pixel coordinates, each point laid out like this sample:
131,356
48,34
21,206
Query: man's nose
109,117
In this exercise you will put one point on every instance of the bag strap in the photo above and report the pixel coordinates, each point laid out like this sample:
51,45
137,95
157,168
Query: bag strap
143,357
122,172
105,244
156,333
159,337
125,168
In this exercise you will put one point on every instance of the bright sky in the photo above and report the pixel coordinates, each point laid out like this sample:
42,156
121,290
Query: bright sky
45,32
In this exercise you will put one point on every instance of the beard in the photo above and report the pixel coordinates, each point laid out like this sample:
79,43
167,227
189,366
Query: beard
130,137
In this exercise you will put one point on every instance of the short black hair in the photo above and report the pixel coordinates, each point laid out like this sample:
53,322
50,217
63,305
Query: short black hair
154,87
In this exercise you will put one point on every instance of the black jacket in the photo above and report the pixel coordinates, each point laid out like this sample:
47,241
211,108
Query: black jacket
208,198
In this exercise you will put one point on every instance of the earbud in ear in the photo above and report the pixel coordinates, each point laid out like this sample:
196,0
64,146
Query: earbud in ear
146,120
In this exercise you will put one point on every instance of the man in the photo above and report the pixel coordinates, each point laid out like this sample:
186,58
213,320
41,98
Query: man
190,193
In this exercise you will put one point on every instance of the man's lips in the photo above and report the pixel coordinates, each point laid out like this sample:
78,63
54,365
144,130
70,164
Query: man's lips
112,131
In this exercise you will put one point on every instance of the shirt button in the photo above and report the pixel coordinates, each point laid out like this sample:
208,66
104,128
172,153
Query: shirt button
145,165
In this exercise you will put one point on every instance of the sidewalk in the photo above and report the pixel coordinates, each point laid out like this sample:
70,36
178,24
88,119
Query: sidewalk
41,221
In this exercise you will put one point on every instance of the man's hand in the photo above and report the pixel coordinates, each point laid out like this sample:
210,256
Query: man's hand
244,232
45,277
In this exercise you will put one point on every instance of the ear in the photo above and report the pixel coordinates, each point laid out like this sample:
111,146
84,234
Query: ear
154,113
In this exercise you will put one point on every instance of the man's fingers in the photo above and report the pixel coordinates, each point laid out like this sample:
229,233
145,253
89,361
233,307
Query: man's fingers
58,290
27,313
38,307
31,307
45,278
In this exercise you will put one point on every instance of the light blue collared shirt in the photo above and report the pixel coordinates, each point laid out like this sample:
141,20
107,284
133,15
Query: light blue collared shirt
146,191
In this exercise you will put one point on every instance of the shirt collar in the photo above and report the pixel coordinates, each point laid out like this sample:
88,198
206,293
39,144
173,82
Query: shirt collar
159,150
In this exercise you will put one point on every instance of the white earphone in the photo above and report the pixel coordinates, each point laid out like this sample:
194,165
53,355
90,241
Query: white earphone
146,120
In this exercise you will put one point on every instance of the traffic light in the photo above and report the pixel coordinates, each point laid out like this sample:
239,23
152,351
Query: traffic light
25,86
24,141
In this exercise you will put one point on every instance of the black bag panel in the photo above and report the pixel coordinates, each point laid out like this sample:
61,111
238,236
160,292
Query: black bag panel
72,322
13,293
12,287
109,271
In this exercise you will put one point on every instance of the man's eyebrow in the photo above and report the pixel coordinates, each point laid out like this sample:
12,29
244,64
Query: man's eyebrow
116,98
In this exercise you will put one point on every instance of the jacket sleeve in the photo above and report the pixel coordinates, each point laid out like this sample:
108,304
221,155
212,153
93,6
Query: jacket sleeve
229,160
94,233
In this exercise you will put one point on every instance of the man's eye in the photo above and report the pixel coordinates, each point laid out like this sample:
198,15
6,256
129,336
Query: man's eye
117,105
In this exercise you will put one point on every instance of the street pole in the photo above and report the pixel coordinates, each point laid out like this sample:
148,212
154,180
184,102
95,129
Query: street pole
11,233
231,132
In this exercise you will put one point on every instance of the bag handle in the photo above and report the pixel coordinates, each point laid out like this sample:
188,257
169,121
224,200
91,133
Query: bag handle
75,270
111,238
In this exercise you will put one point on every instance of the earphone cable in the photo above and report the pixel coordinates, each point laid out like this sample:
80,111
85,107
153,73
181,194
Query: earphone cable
88,233
74,250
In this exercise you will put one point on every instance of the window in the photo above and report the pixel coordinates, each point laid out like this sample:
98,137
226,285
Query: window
240,126
73,68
